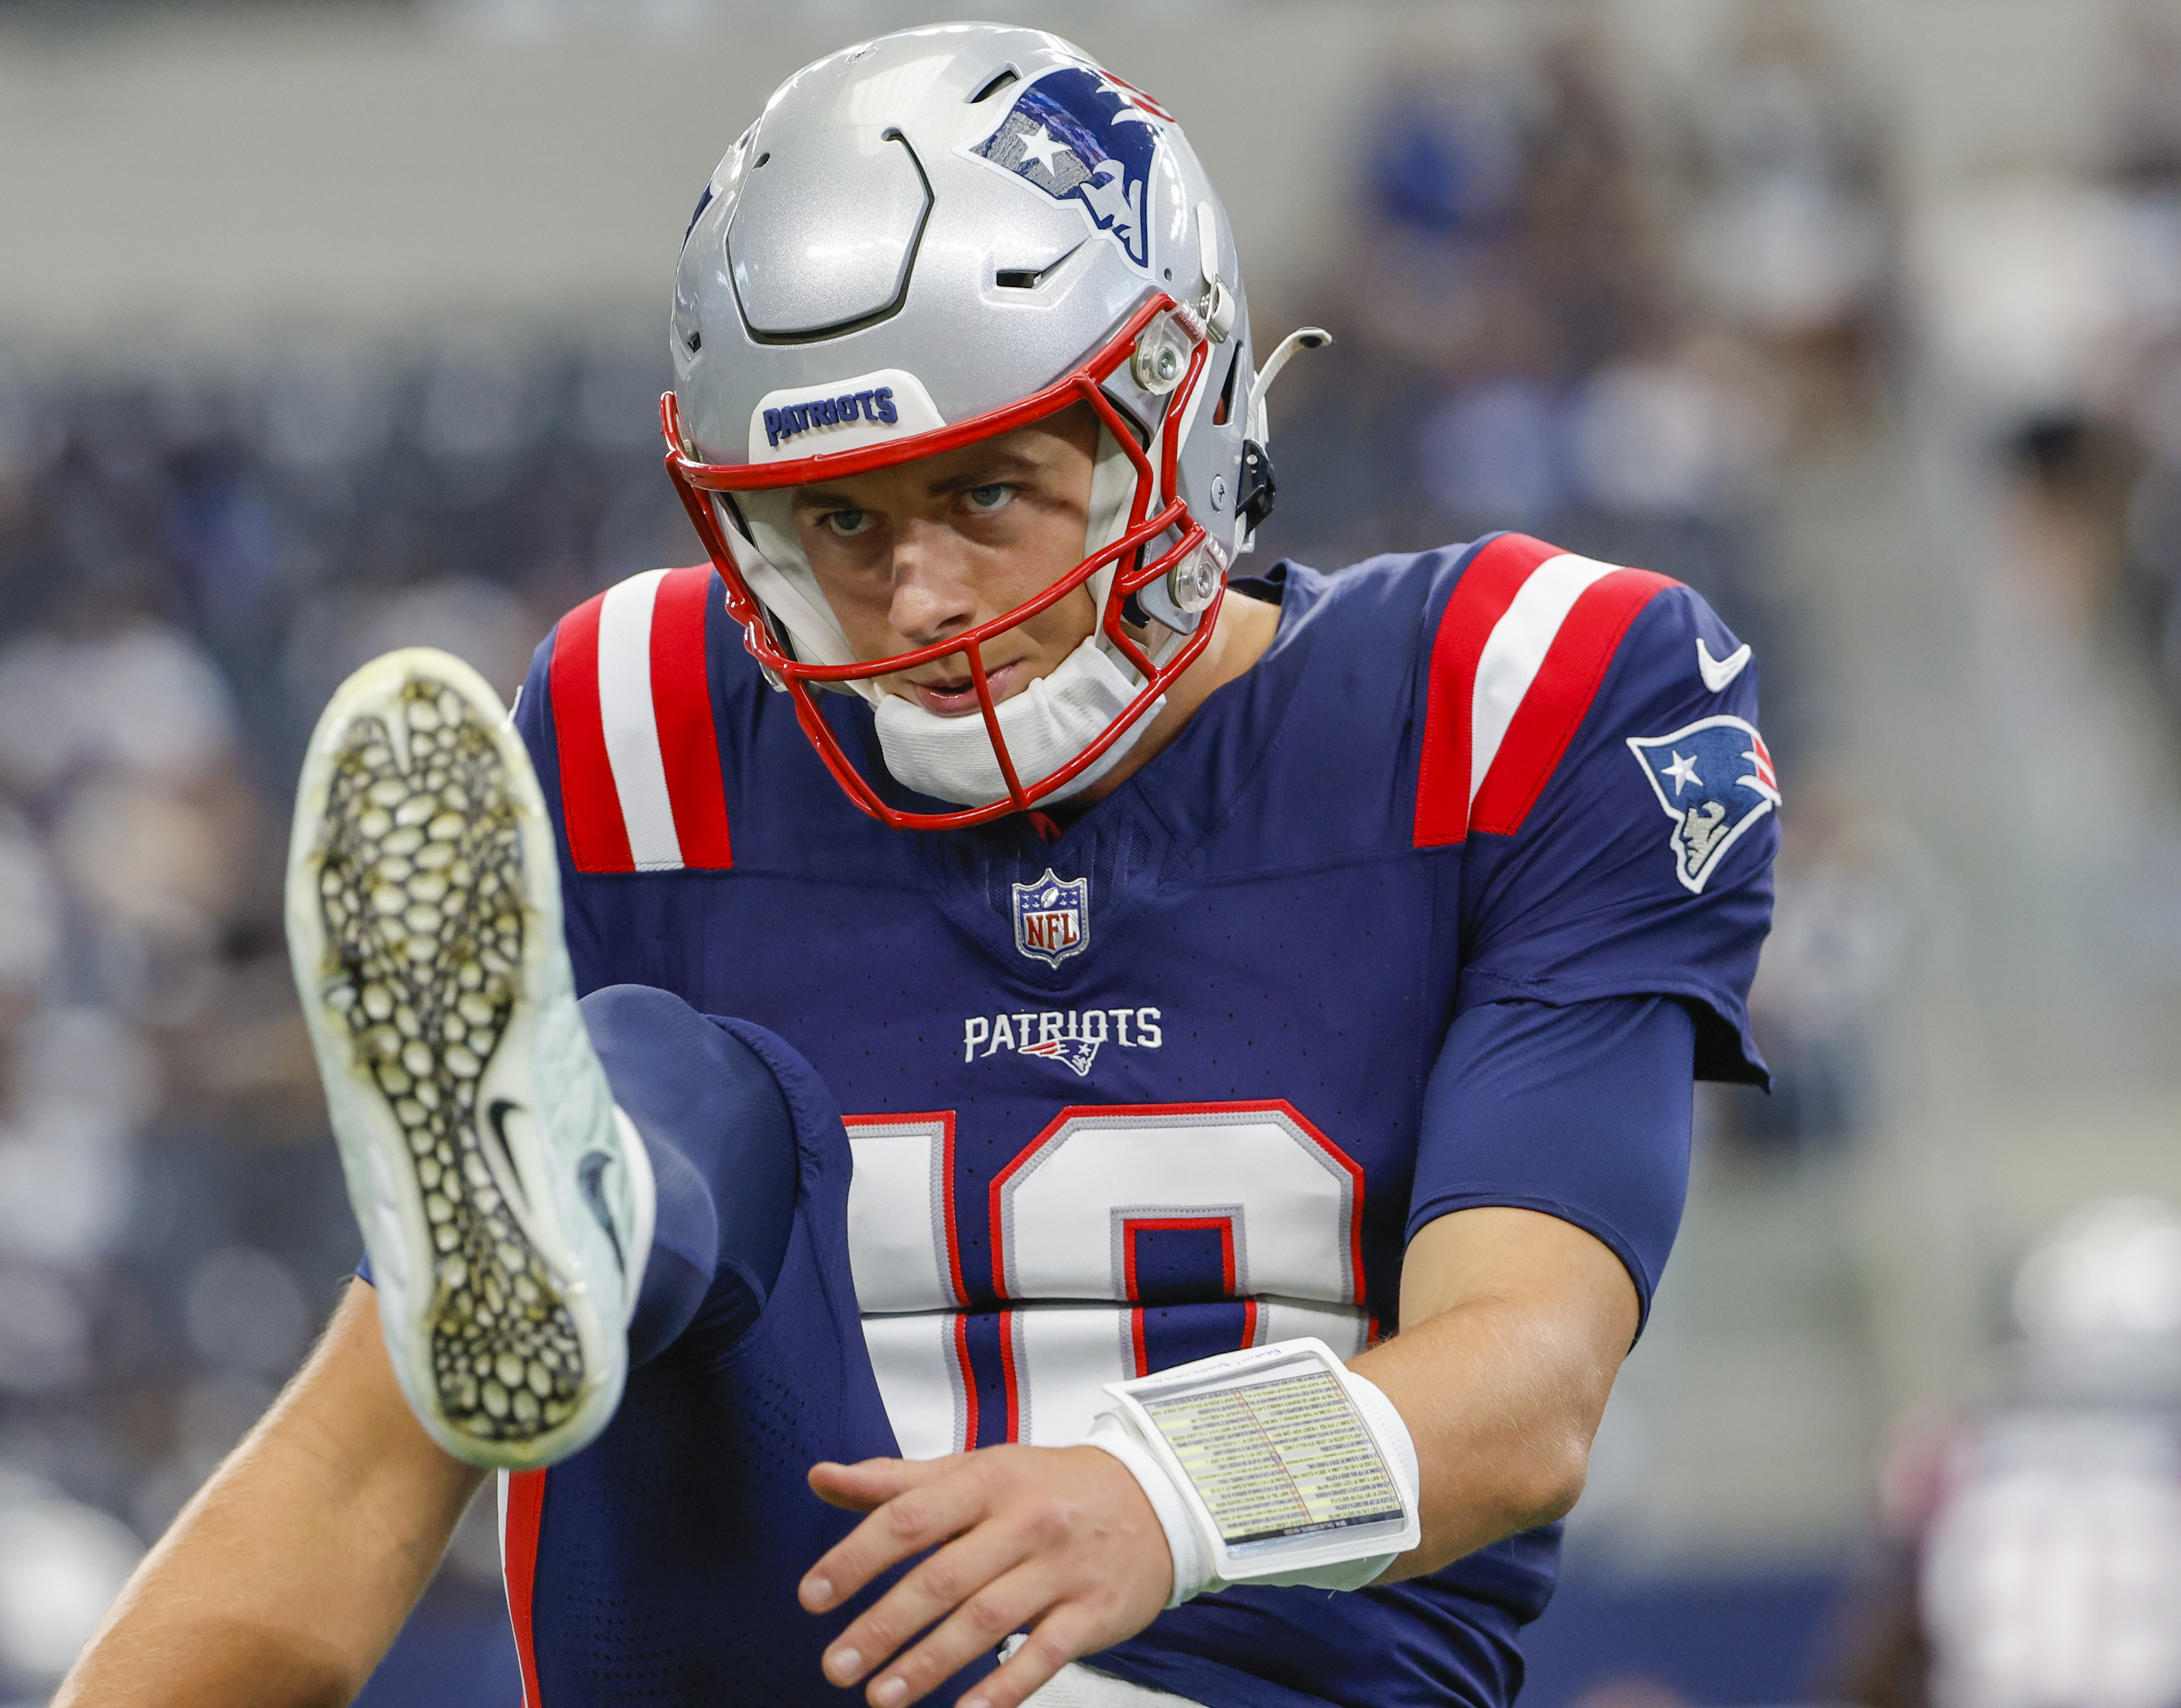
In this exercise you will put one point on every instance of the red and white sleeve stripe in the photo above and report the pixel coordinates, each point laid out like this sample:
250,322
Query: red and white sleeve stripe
1525,641
522,1516
641,787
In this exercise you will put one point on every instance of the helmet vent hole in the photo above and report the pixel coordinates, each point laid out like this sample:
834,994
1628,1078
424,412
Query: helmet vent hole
761,159
695,340
1029,278
999,80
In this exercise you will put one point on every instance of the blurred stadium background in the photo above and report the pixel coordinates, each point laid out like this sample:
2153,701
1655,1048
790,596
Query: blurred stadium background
329,328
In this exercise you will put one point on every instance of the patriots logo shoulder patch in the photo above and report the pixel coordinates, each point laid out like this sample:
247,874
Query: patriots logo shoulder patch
1088,139
1715,779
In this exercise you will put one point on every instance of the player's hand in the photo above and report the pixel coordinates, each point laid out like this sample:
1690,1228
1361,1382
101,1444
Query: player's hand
1056,1541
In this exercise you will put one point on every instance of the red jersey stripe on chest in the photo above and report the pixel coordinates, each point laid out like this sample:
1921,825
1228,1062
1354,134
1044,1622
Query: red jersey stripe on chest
682,698
640,776
1523,645
590,810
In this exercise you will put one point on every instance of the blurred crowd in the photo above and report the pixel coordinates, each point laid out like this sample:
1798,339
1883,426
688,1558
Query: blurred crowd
1598,325
1613,328
2050,298
190,561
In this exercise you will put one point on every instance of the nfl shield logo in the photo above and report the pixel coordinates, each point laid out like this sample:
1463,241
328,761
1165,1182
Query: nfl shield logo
1052,917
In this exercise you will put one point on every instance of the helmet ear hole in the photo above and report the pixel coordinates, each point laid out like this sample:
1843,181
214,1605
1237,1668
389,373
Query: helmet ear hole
1254,502
1226,392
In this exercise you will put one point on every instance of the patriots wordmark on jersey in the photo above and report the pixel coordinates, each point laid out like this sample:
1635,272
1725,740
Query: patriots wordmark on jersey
1150,1090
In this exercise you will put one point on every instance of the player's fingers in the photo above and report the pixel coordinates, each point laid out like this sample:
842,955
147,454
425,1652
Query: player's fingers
959,1580
977,1625
938,1507
1068,1631
869,1483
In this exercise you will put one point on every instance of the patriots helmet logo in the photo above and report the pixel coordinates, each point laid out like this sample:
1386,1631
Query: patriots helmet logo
1081,136
1715,779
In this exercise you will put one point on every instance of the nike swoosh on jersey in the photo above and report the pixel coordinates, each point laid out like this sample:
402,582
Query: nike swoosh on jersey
1717,672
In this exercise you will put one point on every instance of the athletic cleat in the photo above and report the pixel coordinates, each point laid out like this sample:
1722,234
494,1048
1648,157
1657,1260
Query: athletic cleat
507,1203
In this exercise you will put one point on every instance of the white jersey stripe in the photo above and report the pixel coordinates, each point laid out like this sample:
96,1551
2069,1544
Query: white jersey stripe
913,1359
897,1211
1516,649
629,724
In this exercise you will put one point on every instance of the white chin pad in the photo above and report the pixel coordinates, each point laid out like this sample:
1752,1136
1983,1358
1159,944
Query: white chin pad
1045,726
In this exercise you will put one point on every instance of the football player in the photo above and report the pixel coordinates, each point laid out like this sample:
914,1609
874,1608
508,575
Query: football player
1121,1119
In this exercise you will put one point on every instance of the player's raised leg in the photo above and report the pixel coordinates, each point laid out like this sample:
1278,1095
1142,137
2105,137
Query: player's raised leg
506,1202
723,1149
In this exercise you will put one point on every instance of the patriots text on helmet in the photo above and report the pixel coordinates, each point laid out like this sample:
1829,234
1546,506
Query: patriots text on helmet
791,418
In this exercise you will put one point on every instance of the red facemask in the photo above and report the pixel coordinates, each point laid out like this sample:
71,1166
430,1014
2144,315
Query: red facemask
1160,535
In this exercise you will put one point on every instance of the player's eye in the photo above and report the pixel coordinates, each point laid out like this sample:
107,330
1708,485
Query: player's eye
847,524
984,500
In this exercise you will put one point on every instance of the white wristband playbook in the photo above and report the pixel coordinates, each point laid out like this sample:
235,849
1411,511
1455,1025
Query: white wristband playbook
1275,1465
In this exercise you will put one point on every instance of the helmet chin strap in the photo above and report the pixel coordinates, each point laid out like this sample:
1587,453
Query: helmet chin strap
1045,726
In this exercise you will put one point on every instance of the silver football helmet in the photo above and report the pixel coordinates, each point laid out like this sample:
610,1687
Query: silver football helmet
926,240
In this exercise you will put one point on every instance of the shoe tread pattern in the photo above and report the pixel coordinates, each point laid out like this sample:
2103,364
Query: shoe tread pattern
421,893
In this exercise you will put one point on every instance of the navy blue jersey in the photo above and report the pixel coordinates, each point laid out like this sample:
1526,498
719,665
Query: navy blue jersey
1154,1087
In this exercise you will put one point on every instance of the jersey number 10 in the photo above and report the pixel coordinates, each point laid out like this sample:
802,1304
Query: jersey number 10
1125,1238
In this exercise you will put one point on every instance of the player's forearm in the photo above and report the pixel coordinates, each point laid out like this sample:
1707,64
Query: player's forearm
285,1579
1502,1408
1514,1325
